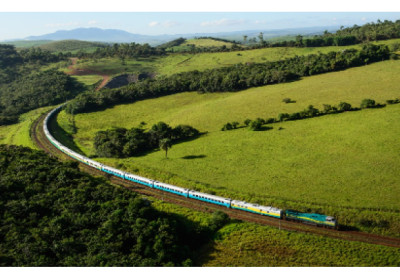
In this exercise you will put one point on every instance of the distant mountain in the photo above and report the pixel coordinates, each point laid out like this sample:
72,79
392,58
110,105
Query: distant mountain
120,36
94,35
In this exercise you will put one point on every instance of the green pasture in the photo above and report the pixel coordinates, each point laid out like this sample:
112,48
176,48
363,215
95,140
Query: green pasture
18,134
113,66
88,79
337,160
250,245
175,63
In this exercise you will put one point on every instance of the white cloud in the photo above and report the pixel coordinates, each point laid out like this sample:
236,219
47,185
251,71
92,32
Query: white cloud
260,22
223,22
170,23
166,24
154,23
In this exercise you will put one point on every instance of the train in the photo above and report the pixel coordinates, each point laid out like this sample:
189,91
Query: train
292,215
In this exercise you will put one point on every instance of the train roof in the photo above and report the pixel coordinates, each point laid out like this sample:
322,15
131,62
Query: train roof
210,196
138,177
261,207
169,186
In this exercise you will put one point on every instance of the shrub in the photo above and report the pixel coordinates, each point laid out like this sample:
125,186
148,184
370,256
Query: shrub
227,126
391,101
270,120
343,106
368,103
283,116
255,125
247,122
218,220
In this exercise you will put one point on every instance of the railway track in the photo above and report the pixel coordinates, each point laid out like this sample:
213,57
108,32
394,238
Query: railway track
39,138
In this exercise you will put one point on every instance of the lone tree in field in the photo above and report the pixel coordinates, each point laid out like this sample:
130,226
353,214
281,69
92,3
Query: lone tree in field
165,144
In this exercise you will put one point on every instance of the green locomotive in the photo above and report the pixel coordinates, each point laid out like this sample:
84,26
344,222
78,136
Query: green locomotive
311,218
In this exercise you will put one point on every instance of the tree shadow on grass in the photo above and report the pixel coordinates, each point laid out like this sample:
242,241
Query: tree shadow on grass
194,156
264,128
63,137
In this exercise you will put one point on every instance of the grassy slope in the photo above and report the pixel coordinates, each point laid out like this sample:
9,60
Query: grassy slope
330,162
249,245
18,134
175,63
252,245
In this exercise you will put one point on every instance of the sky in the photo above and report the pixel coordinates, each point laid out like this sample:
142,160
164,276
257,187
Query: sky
154,18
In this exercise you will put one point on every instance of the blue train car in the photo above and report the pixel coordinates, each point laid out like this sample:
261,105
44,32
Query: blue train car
171,189
210,198
138,179
112,171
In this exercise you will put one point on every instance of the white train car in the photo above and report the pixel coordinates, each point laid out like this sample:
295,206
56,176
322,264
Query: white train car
139,179
258,209
210,198
171,188
113,171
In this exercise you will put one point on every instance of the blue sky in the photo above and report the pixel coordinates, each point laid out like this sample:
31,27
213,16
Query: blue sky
26,22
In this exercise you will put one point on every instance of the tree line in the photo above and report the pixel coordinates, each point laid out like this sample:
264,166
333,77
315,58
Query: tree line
123,50
343,37
233,78
52,214
309,112
121,142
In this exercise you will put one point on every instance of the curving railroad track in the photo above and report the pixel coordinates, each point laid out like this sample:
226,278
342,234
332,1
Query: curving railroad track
39,138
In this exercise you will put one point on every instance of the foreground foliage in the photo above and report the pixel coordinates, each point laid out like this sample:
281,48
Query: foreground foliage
51,214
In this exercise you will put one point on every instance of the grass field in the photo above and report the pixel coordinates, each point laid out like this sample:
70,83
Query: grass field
175,63
249,245
88,80
332,164
18,134
252,245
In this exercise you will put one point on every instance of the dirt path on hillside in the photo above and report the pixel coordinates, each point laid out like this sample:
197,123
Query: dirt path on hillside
82,72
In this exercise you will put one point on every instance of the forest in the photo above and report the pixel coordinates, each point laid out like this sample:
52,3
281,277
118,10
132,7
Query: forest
23,87
52,214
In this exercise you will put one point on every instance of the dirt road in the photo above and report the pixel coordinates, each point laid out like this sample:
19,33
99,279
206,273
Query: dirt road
82,72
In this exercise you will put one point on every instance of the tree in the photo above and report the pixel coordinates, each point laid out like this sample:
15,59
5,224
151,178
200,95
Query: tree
165,144
245,39
261,37
368,103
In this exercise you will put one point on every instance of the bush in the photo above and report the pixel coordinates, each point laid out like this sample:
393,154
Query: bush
218,220
227,126
255,125
343,106
247,122
368,103
391,101
283,116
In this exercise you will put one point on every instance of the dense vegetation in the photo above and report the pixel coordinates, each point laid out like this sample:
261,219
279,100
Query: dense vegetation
71,45
122,142
232,78
51,214
123,51
344,37
24,87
